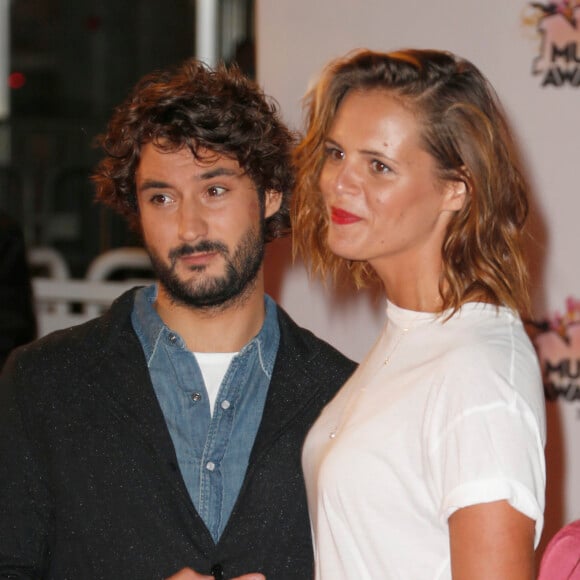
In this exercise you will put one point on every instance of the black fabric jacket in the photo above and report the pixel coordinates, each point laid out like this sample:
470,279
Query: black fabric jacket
89,482
17,318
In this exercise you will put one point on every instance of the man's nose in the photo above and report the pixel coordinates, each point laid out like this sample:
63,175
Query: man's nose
192,222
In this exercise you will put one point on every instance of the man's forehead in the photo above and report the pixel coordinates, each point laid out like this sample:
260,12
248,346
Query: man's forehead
202,154
163,166
210,157
202,157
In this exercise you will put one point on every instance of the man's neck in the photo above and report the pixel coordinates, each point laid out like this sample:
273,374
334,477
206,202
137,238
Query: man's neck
222,329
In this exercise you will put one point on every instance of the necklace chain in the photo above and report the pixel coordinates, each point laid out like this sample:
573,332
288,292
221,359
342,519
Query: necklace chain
354,395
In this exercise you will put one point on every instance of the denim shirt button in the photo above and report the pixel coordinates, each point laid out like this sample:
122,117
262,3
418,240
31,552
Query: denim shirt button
172,338
225,405
196,397
210,465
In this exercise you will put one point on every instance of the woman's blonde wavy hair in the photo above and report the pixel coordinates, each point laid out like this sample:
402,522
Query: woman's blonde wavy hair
465,130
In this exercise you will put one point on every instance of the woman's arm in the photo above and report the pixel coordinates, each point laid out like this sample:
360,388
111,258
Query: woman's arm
491,541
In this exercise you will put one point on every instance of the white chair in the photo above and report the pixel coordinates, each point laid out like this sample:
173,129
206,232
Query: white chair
62,302
55,301
126,260
49,262
120,259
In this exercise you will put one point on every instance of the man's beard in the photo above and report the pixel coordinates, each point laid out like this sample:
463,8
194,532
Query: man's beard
241,270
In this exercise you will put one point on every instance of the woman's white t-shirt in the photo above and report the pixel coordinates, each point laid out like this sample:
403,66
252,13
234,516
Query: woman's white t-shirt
456,417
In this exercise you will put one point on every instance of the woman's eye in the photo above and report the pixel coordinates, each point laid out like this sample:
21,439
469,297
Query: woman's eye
379,166
334,153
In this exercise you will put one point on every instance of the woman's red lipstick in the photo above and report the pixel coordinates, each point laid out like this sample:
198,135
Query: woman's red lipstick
342,217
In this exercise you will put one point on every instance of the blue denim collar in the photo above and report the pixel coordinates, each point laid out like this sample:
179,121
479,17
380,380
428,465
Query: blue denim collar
150,329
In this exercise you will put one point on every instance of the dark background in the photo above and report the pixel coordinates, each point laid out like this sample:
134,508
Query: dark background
71,62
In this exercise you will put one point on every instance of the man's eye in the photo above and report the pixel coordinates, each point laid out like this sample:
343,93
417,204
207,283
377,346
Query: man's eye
160,199
216,191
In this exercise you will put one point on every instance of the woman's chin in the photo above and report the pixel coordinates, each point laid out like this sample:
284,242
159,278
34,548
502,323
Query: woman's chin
343,249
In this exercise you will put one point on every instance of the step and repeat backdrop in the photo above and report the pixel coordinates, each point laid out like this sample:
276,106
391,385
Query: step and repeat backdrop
530,51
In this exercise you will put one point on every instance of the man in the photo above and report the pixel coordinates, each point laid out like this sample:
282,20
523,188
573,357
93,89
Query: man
167,434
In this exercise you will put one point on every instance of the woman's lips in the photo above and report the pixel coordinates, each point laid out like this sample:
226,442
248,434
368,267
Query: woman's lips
342,217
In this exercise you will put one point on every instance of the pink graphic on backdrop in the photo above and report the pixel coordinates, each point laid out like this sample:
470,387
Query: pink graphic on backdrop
558,61
558,347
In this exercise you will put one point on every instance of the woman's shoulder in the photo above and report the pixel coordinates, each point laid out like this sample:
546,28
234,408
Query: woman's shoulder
483,331
486,351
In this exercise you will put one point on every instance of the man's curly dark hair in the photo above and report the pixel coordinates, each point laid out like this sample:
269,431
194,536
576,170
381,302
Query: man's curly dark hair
197,107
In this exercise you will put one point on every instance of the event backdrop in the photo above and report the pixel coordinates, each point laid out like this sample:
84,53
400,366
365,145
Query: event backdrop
530,51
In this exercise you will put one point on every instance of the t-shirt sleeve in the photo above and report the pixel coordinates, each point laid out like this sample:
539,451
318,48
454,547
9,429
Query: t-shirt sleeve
485,436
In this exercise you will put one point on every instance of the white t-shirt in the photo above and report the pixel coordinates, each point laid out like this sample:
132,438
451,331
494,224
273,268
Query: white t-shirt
213,366
455,418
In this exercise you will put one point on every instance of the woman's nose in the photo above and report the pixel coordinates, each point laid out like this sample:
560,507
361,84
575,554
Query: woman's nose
345,180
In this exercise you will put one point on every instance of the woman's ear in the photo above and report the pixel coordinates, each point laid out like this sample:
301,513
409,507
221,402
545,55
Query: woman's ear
272,202
455,193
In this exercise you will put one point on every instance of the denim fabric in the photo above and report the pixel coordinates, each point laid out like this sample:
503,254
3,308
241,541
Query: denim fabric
212,451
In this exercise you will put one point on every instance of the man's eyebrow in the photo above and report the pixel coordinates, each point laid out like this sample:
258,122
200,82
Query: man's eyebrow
209,174
153,184
218,172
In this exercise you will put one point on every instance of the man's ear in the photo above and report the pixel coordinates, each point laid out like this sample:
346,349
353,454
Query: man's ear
272,202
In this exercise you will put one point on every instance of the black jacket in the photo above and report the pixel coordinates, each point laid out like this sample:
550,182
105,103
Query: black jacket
17,318
89,482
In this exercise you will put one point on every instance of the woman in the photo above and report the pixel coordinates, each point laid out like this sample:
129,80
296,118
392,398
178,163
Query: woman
429,463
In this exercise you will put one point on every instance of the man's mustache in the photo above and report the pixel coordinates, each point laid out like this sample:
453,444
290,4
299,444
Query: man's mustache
201,247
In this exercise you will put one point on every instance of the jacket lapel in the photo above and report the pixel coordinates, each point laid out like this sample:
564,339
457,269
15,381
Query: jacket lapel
128,390
123,379
292,387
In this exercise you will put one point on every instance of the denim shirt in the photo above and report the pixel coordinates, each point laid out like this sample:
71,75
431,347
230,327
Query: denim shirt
212,451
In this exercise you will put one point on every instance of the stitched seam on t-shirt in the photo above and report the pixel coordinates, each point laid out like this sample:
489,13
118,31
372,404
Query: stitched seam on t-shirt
468,413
